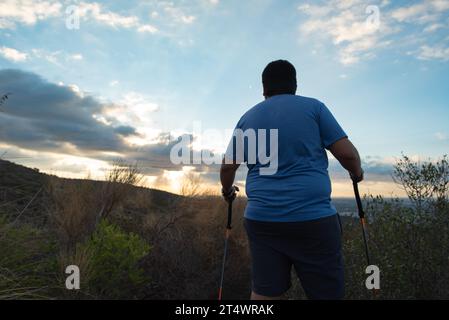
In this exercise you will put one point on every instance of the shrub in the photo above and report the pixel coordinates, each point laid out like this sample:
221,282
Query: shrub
115,272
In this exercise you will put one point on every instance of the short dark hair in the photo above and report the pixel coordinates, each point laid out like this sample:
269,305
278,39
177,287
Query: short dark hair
279,77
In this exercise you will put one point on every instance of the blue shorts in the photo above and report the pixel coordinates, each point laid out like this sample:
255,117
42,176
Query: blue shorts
312,247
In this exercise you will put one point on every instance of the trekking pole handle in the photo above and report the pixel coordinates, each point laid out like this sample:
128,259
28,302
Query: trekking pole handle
362,220
358,200
229,225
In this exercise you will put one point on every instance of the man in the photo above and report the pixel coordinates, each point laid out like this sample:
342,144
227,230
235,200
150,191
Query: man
289,218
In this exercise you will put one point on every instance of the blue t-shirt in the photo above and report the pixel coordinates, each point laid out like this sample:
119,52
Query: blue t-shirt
299,188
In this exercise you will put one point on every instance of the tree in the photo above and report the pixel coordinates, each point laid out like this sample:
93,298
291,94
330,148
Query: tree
424,182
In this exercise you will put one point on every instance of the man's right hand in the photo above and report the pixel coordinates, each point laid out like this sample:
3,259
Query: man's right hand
345,152
357,177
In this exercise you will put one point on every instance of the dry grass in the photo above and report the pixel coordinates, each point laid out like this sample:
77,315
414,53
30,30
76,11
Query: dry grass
116,188
78,206
81,256
74,210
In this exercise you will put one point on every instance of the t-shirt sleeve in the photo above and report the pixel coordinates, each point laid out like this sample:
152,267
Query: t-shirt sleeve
235,152
330,129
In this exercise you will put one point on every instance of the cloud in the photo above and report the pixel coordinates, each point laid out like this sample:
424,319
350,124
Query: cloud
153,159
13,54
351,26
44,116
41,116
315,11
434,53
125,131
134,109
27,11
440,5
76,56
408,13
147,28
440,136
52,57
6,24
421,13
434,27
375,168
96,12
177,14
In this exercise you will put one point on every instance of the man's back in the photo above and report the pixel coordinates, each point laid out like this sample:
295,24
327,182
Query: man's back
289,219
300,189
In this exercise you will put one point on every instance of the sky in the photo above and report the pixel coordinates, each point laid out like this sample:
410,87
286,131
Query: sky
94,82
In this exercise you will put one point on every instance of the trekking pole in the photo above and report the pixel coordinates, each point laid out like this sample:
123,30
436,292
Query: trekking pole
228,233
362,219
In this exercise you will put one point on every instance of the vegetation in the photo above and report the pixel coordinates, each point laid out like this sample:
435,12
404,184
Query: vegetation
136,243
113,264
409,243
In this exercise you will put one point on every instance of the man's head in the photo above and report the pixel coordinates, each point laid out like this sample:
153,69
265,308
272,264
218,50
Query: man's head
279,77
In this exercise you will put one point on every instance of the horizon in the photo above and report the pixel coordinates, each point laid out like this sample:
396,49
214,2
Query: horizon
207,193
93,82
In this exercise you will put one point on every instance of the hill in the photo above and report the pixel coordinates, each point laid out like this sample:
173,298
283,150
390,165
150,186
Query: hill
19,183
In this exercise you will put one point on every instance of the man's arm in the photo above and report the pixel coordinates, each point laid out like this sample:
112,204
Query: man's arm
348,156
227,176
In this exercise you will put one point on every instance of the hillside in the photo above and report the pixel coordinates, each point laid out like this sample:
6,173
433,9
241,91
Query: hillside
18,184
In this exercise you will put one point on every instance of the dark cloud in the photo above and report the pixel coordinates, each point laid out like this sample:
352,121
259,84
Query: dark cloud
45,116
126,131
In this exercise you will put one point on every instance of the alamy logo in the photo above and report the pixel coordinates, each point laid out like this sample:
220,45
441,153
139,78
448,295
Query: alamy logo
257,149
72,282
72,21
373,280
251,146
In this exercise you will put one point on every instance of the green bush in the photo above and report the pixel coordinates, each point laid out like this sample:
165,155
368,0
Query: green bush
115,272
